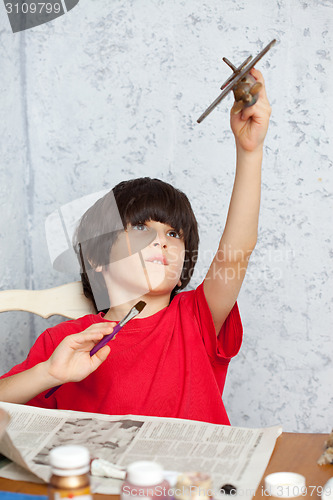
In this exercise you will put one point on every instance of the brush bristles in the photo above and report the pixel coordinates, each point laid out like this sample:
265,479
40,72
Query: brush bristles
140,305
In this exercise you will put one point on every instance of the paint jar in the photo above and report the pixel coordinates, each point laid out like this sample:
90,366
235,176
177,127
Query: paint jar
70,473
145,480
193,486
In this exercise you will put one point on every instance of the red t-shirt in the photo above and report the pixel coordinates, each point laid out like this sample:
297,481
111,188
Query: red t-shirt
170,364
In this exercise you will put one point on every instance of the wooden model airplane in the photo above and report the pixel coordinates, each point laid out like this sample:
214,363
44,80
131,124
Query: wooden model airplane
244,86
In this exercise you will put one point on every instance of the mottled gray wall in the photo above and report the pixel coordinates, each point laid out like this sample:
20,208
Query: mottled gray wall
111,91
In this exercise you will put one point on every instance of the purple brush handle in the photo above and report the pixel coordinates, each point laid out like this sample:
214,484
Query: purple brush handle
93,351
105,340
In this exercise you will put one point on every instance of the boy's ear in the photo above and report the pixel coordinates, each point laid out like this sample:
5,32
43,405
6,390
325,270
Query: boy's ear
179,283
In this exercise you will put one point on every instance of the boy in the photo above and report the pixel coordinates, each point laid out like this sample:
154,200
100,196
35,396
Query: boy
172,359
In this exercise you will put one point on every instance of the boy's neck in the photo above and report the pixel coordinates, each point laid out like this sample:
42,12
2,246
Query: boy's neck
154,304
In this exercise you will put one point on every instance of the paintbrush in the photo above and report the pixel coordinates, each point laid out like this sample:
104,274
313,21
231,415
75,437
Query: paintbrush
130,315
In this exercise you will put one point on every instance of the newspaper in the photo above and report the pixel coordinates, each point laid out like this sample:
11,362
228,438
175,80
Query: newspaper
231,455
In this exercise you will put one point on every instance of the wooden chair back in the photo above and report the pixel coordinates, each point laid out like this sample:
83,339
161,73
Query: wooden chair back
66,300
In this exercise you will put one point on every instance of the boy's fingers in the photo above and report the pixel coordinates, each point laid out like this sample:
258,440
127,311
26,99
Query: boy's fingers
249,112
262,105
99,329
93,333
101,326
102,354
257,114
258,76
262,102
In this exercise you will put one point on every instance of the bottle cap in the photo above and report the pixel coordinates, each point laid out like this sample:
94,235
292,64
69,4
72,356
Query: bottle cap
145,473
228,489
70,459
285,484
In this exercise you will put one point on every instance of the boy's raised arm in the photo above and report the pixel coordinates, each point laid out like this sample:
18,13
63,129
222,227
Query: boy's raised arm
227,271
70,362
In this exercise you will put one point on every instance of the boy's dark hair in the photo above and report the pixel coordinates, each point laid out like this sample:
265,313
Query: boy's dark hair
137,201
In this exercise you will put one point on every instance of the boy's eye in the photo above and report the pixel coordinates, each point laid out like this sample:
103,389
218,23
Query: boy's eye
173,234
140,227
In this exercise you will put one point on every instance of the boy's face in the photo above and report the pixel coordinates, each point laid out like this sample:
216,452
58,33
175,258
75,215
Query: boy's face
156,269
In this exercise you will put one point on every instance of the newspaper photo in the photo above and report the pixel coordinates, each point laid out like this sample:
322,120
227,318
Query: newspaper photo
231,455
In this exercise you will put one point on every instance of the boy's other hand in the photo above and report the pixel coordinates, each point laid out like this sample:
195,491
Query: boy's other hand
250,126
71,360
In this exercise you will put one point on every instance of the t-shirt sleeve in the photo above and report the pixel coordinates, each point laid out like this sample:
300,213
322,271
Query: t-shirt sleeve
40,351
222,347
50,339
44,347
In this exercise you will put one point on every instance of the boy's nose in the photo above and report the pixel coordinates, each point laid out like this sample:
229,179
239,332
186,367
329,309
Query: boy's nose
160,240
159,244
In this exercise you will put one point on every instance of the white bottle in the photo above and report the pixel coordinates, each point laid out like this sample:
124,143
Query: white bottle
70,473
145,480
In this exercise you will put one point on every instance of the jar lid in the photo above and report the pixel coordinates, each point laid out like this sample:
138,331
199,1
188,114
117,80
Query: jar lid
145,473
69,459
285,484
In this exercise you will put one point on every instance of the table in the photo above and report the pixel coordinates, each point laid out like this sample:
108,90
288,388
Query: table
293,453
299,453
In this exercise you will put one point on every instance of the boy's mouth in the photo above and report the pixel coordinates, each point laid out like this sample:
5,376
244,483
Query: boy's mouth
157,259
